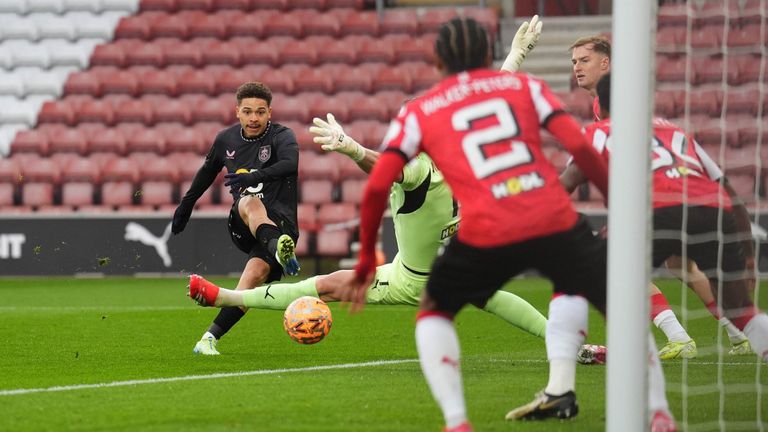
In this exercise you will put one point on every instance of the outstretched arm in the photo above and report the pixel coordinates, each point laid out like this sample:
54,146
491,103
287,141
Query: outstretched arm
525,40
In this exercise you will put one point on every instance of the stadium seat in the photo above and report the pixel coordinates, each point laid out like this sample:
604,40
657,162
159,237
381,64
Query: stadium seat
338,4
307,216
352,190
208,132
317,191
20,29
374,50
187,163
211,110
364,23
238,5
423,75
320,24
284,25
670,39
149,54
748,133
133,27
372,132
120,169
393,100
321,167
77,193
157,82
285,108
742,100
673,69
664,104
744,185
134,110
117,193
306,79
7,194
169,26
363,106
348,169
392,79
216,52
298,51
69,141
80,169
707,38
751,69
400,20
279,5
110,54
37,194
109,140
745,37
41,170
705,101
431,20
54,27
196,81
674,14
342,51
333,243
486,16
415,49
712,132
56,112
97,111
31,141
182,53
249,25
146,140
334,213
156,193
304,243
194,5
308,4
348,78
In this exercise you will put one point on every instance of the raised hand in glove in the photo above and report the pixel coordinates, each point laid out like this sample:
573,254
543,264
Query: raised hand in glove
181,216
525,39
331,137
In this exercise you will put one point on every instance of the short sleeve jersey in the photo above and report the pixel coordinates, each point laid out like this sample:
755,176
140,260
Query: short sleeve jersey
483,131
275,153
682,171
424,213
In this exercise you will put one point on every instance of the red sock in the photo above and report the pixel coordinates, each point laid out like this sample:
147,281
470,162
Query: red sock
741,321
713,309
659,304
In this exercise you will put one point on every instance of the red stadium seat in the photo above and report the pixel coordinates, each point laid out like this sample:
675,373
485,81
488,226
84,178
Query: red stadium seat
670,39
673,69
37,194
216,52
317,191
250,25
742,100
108,141
352,190
353,4
308,4
31,141
82,83
134,110
278,80
172,111
365,107
117,193
745,37
109,54
208,131
81,169
744,185
431,20
181,139
157,82
41,170
333,213
169,26
348,169
196,5
393,100
70,140
488,17
7,193
205,200
752,69
415,49
212,110
77,193
578,103
374,50
303,245
361,23
316,24
344,51
280,5
333,243
96,111
156,193
307,79
240,5
705,101
196,81
146,140
424,75
307,216
392,79
159,169
298,51
348,78
674,14
188,164
182,53
149,54
120,169
56,112
400,20
322,167
290,109
133,27
158,5
710,132
664,104
119,82
283,25
209,25
707,38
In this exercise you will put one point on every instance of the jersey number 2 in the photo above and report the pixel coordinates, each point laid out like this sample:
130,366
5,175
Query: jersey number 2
473,142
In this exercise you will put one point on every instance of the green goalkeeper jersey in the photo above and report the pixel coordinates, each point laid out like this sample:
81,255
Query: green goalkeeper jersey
424,213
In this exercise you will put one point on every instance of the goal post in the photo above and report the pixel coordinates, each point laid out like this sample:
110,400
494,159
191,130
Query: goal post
632,81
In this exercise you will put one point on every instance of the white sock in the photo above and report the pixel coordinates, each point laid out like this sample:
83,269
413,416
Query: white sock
208,335
757,332
667,322
734,334
566,330
657,397
438,347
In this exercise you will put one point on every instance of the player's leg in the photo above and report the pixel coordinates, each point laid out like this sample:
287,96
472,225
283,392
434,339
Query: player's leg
575,262
700,284
658,408
679,343
254,215
517,312
256,272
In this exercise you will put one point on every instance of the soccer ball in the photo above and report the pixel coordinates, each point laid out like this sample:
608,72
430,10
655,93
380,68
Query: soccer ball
307,320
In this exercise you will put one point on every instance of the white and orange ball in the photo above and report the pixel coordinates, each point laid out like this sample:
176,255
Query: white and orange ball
307,320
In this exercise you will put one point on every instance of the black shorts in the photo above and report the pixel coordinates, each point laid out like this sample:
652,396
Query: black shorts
245,241
574,260
702,241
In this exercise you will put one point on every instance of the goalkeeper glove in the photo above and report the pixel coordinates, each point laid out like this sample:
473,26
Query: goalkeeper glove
331,137
240,181
525,39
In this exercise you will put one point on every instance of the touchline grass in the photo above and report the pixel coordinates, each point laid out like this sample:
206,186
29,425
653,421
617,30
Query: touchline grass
116,354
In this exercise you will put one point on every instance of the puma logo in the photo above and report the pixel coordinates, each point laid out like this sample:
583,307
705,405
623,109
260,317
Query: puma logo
266,292
136,232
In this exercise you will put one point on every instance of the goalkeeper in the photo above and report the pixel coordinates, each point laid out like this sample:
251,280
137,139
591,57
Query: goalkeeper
425,215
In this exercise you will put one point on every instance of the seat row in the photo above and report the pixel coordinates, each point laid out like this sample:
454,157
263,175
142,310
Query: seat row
21,7
190,109
712,101
54,54
711,38
710,12
71,26
248,5
738,69
297,23
273,51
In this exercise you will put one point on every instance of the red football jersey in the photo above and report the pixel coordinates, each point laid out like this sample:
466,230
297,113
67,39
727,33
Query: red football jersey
682,171
482,130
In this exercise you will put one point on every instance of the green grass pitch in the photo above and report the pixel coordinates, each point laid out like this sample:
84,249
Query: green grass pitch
69,333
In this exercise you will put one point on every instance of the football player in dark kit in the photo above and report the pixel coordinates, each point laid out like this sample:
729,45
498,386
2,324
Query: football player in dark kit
262,160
